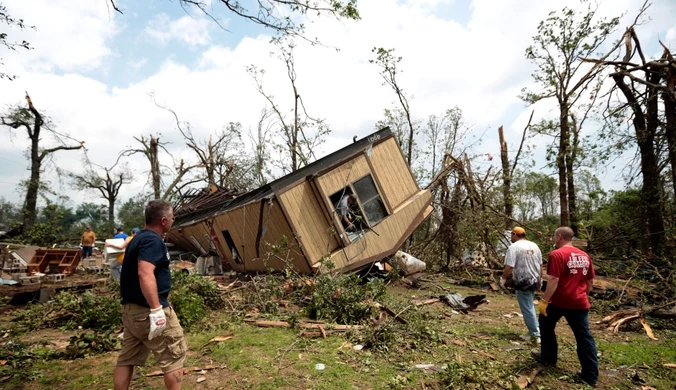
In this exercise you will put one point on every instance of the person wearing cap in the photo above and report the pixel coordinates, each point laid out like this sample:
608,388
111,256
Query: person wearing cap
119,233
524,262
116,264
571,278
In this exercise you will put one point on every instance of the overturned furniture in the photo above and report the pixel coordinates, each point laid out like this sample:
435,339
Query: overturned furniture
293,221
62,261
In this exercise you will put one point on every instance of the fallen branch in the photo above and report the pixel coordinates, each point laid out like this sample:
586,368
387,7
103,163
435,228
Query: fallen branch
329,328
217,339
615,326
427,301
648,329
393,314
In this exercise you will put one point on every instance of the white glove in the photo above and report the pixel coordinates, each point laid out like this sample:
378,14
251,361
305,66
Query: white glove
158,322
502,282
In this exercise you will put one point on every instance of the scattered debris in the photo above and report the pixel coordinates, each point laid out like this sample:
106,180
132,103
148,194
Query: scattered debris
320,366
217,339
201,379
456,301
669,365
358,347
525,381
617,319
407,264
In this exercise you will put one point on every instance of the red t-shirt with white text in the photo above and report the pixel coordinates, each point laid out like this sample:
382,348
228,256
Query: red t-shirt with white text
573,267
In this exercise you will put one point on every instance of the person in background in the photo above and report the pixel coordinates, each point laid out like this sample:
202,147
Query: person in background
116,264
87,242
343,210
150,323
524,262
571,277
120,233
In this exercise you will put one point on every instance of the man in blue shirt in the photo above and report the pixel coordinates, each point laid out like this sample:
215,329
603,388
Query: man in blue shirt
150,323
121,234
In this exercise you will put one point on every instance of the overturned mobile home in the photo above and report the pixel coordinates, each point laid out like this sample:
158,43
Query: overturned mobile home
293,221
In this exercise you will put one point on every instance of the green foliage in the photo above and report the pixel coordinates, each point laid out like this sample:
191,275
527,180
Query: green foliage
131,213
192,297
47,230
91,343
420,333
343,299
72,310
265,293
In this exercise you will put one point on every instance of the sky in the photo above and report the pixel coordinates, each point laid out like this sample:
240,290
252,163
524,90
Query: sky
91,70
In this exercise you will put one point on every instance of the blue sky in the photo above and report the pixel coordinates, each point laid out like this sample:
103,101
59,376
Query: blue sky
91,71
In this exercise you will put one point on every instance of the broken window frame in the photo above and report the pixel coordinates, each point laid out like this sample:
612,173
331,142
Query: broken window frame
377,197
234,253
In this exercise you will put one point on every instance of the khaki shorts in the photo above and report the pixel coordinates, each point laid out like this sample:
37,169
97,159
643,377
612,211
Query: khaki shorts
169,348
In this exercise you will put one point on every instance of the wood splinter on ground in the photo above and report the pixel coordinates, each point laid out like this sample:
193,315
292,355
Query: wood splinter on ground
217,339
621,317
525,381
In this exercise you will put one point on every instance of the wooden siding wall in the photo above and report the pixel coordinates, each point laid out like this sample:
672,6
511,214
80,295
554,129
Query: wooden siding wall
242,224
391,233
393,172
345,174
307,213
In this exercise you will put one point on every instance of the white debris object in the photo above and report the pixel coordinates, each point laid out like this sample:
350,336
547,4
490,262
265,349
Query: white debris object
407,264
319,366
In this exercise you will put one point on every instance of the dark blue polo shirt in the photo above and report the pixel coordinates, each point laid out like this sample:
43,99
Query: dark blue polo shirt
146,246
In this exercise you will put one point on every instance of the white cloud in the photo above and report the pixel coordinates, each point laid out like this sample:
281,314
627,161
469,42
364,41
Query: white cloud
69,36
480,67
191,31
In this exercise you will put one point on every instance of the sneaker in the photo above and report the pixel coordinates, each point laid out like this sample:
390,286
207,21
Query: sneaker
536,355
530,338
587,381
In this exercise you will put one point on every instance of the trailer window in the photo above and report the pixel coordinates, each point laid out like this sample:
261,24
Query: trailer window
370,199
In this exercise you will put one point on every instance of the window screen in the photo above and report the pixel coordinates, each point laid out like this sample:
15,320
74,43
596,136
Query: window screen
370,199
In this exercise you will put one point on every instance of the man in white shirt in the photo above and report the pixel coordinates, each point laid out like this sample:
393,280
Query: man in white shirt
524,262
343,210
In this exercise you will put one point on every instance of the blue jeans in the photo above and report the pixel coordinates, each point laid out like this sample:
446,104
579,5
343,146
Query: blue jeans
115,269
525,299
87,251
578,320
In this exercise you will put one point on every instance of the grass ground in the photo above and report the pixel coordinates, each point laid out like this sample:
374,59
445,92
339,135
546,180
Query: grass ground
479,350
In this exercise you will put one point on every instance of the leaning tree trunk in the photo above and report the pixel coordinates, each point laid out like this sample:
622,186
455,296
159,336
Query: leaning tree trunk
645,126
506,180
670,128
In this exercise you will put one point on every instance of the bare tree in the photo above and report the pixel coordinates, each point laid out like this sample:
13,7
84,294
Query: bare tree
285,17
389,71
301,134
260,141
508,172
106,180
217,159
641,82
33,122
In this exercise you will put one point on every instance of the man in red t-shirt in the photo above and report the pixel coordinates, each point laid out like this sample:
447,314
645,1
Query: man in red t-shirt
571,275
